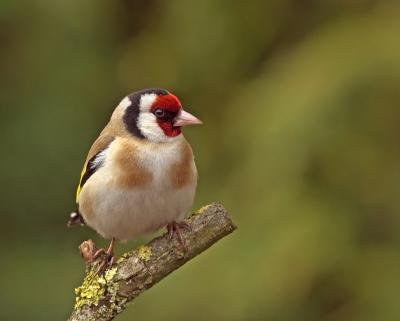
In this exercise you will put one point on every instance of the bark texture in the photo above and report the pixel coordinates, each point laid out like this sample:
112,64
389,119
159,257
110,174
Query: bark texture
102,297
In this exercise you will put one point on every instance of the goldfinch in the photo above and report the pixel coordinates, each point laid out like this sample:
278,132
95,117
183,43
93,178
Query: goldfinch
139,175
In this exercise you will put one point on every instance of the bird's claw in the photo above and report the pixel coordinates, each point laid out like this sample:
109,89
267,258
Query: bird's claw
174,226
108,256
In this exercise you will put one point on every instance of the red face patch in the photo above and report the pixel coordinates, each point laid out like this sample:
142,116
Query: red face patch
171,105
168,129
168,102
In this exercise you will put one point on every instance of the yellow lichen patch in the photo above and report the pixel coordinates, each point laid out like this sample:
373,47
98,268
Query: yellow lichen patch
110,274
124,256
93,288
201,210
144,252
120,259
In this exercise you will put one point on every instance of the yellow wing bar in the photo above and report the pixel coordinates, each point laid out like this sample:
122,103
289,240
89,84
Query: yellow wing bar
78,190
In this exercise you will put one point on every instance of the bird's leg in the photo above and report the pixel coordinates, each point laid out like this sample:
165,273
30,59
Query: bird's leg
174,226
108,256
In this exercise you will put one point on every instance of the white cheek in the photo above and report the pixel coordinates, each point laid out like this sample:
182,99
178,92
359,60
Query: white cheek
147,124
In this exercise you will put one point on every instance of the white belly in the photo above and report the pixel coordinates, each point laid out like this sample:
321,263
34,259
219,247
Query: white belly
126,213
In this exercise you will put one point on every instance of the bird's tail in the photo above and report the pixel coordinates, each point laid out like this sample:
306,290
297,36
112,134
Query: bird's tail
76,218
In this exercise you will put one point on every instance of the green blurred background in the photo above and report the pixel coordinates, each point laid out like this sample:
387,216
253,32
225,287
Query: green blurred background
300,142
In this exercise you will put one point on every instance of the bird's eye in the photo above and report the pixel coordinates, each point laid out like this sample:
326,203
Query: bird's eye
158,112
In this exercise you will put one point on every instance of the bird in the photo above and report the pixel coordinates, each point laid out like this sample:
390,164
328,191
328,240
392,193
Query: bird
139,175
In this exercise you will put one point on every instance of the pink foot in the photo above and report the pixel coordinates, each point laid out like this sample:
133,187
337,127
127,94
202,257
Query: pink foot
174,226
108,256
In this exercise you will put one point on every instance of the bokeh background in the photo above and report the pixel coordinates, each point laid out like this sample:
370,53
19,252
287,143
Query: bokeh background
301,143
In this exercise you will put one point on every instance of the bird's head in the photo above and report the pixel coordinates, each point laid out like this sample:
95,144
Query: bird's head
156,115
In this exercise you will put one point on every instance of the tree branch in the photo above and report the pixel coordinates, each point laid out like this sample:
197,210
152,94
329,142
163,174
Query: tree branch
102,297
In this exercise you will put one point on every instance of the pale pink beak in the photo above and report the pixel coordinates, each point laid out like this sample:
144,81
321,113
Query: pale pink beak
184,119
